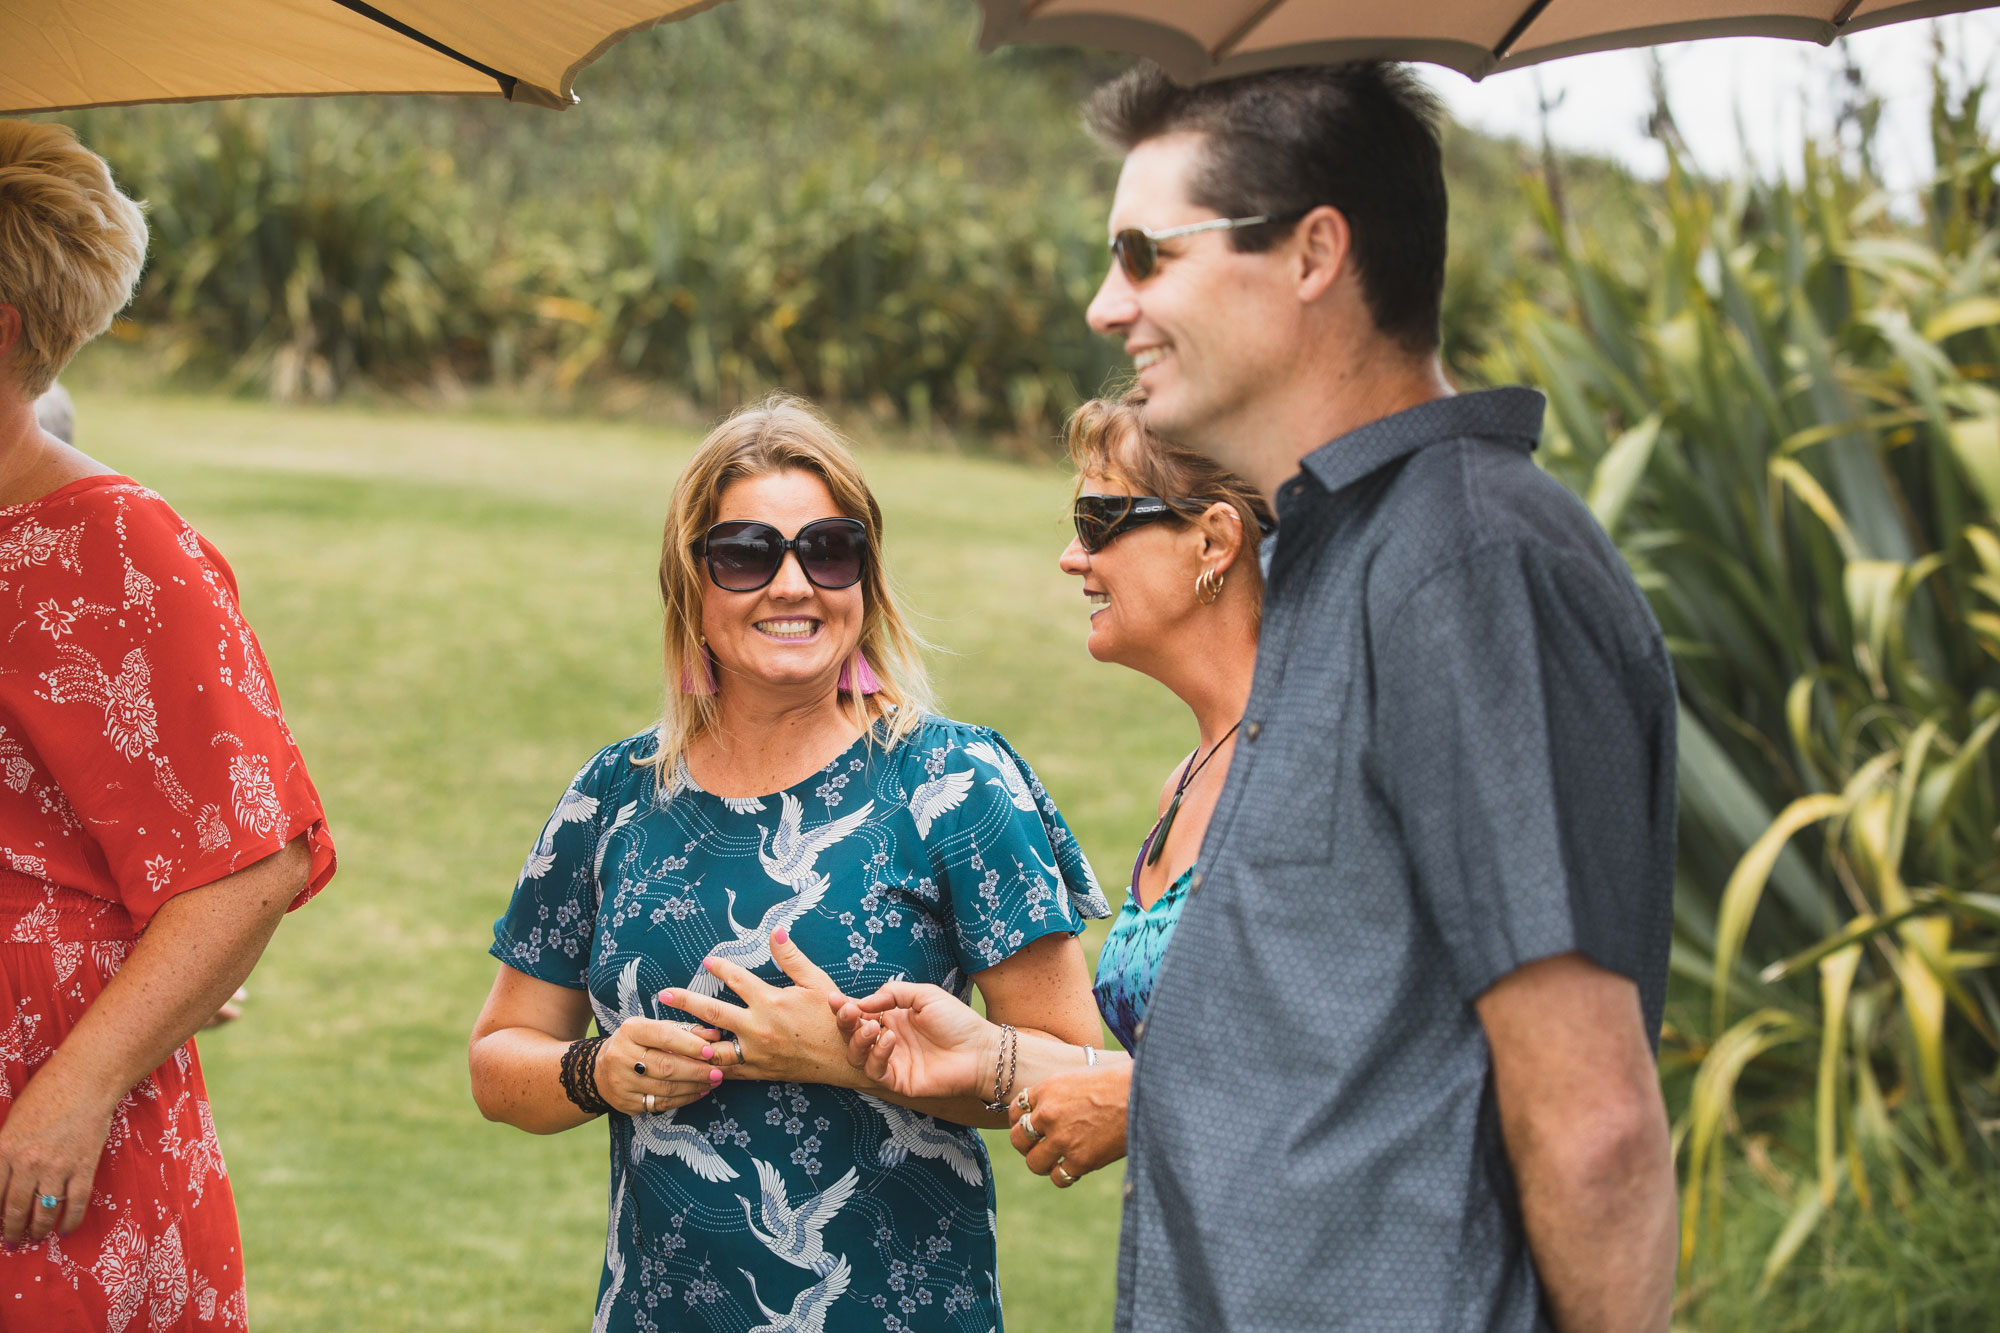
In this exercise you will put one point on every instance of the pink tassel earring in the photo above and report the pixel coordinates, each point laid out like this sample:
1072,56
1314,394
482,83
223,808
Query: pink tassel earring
857,677
707,684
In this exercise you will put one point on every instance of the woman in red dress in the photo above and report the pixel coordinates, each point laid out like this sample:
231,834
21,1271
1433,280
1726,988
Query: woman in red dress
156,820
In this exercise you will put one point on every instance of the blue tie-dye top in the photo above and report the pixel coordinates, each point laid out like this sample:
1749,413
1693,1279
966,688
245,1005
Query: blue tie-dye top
1129,962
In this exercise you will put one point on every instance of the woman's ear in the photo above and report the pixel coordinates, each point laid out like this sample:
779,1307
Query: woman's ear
1222,536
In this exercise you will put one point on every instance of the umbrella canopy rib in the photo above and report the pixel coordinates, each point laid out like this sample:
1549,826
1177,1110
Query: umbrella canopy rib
1243,29
507,82
1522,24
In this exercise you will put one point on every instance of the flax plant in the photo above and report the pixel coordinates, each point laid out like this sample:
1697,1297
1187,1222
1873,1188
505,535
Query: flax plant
1787,412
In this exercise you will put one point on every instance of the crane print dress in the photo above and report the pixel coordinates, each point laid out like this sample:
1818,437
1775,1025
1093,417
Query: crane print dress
783,1207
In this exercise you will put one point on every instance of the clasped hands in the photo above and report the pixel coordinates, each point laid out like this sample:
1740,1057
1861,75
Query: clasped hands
779,1033
922,1041
914,1041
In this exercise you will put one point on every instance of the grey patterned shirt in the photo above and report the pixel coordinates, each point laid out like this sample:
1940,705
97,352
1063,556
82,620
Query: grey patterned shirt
1458,757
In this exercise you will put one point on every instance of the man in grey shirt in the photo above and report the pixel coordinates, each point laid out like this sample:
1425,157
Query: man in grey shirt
1397,1070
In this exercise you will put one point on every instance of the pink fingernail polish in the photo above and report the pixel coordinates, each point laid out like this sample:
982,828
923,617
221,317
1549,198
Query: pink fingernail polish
667,996
714,1076
779,936
708,1052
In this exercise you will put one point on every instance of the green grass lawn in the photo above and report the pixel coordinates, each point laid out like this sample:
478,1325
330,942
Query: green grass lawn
460,610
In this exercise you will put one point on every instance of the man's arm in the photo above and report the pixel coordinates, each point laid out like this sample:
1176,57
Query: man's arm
1586,1132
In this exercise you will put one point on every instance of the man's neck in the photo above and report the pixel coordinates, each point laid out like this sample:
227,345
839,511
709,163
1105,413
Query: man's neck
1314,411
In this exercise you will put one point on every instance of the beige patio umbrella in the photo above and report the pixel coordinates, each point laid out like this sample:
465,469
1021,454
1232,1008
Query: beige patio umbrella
1204,39
61,54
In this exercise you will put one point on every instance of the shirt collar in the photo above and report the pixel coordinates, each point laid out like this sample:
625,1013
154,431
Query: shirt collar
1513,415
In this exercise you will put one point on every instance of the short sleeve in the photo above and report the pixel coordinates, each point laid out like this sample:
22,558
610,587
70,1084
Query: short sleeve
547,929
1010,866
156,715
1525,714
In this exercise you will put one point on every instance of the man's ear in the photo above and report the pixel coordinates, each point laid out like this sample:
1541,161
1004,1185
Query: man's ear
1325,243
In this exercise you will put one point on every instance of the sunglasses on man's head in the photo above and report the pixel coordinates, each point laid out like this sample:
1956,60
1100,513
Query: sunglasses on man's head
1138,250
743,555
1100,518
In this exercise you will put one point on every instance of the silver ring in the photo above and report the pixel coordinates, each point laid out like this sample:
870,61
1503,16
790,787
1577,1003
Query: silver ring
1022,1102
1067,1179
648,1103
737,1047
1028,1128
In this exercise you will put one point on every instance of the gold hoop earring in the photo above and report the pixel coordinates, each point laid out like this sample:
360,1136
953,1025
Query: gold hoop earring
1208,586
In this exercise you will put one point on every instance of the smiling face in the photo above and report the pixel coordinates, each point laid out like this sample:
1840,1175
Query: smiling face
1212,327
790,632
1140,585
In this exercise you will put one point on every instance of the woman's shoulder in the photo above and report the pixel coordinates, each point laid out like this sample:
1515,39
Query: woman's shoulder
937,737
621,767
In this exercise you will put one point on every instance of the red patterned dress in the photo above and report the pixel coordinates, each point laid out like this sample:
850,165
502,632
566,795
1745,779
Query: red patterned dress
142,754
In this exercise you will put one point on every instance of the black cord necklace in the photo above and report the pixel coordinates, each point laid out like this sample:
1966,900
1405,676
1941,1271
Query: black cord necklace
1166,824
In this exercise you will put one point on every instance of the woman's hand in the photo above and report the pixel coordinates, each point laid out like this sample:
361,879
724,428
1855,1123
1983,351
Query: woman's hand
920,1041
50,1146
1070,1125
650,1064
784,1034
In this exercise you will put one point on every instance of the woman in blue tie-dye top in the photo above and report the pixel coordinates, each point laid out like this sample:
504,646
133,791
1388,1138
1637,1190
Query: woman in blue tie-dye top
1166,547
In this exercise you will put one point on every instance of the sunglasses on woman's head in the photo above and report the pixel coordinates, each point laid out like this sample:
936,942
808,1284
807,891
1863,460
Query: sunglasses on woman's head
743,555
1100,518
1137,249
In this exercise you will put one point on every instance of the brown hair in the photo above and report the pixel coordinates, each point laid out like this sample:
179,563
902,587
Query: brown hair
1361,137
780,434
1108,437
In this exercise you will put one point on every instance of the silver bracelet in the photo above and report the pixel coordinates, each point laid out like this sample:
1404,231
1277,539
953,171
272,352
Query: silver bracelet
1090,1056
1004,1057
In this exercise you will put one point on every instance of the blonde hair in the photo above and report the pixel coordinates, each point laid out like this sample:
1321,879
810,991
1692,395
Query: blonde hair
780,434
71,246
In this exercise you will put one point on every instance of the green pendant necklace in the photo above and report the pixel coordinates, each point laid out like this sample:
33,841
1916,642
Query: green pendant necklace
1166,824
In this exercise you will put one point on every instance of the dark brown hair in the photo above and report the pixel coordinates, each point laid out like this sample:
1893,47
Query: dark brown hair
1361,137
1108,437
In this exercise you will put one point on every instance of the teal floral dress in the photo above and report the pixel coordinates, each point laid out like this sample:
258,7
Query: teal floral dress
784,1207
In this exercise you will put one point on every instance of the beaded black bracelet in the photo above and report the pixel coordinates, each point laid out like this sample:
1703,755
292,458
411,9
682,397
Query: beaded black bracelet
579,1076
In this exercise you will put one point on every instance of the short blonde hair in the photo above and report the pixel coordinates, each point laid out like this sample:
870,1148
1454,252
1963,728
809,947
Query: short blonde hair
780,434
71,246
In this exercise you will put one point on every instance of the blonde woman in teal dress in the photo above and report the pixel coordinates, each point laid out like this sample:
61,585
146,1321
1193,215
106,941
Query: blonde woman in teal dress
1166,551
799,798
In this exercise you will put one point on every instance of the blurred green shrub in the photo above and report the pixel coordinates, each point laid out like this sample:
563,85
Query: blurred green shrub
299,245
1785,409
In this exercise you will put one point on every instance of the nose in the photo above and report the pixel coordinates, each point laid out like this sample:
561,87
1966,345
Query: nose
1074,559
1116,305
790,583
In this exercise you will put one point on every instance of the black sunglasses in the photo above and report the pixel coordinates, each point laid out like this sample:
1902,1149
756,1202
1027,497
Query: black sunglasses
1101,518
1137,248
743,555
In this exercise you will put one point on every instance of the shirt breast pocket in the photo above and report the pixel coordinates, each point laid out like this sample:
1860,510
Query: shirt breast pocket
1288,812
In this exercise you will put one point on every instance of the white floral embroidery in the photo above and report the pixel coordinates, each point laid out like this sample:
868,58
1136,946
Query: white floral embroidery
121,1270
30,543
56,622
256,797
138,589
